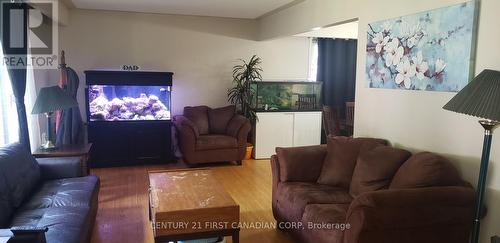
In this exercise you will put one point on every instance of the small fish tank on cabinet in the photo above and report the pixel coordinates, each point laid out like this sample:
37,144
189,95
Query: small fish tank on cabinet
129,117
287,96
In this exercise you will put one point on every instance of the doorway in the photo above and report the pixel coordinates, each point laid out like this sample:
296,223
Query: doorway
332,61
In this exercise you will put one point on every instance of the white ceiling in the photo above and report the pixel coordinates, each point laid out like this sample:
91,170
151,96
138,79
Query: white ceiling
249,9
347,31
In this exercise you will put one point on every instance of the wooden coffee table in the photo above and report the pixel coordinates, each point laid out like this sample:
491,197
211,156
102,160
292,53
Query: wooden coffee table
189,205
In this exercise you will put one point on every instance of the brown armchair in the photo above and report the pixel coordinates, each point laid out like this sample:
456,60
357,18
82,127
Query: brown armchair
212,135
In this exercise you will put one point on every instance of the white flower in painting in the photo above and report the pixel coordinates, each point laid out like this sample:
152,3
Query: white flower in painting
394,52
420,66
405,28
413,33
411,42
410,29
380,41
386,26
440,65
405,72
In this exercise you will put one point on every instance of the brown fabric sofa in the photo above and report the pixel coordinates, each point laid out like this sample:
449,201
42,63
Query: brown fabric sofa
212,135
363,191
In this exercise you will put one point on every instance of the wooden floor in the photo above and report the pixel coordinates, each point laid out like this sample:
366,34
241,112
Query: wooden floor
123,202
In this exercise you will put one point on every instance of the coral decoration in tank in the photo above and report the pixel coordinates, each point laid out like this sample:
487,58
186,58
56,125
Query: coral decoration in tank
128,103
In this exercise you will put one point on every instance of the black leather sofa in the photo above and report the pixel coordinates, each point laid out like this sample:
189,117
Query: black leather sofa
49,194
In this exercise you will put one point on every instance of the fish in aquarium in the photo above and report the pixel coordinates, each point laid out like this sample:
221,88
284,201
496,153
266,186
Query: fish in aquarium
144,107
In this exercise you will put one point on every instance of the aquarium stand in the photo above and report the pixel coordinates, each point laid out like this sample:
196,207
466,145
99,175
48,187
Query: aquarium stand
121,139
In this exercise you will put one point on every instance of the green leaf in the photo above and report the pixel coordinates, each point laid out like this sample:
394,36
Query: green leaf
241,94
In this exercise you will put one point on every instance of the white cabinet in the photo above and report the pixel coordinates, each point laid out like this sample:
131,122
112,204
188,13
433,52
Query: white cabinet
286,129
273,129
307,128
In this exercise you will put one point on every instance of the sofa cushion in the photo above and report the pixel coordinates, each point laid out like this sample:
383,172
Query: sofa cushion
66,206
21,171
293,197
424,170
375,168
77,192
6,208
219,118
208,142
199,116
341,159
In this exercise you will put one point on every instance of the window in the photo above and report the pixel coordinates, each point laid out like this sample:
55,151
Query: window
9,126
313,60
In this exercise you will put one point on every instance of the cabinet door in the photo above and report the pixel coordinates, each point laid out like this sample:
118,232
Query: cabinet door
307,128
273,129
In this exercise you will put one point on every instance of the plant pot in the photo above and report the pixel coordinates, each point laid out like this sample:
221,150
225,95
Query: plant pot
248,154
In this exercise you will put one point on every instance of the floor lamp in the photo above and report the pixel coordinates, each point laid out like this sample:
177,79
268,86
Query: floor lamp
480,98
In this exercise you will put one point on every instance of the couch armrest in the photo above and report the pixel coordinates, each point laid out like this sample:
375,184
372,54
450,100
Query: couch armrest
302,164
237,126
275,170
416,211
24,234
183,124
187,134
60,167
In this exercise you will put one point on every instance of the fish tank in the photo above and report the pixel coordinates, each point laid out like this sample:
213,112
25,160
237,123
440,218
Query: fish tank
287,96
128,102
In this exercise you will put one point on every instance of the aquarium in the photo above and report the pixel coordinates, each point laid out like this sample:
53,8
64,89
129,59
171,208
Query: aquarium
128,103
270,96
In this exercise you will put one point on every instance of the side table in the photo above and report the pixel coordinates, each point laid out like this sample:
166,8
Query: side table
80,150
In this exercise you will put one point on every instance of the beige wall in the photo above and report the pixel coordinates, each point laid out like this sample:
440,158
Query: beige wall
344,31
410,119
307,15
199,50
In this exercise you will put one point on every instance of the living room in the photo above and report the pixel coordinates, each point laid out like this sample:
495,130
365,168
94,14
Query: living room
142,181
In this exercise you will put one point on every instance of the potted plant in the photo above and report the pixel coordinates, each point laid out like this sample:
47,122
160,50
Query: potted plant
241,94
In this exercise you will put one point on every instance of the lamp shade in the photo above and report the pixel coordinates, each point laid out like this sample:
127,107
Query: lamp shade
480,98
52,99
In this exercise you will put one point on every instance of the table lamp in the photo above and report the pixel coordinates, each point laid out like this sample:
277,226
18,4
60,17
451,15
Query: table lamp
52,99
480,98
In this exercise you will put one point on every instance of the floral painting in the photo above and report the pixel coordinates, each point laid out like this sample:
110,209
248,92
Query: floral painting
427,51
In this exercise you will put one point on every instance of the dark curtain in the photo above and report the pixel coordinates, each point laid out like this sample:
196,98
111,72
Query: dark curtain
18,74
70,124
337,71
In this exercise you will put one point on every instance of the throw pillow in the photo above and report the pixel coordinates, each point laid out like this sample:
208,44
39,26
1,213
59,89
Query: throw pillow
375,168
199,116
219,118
341,159
425,170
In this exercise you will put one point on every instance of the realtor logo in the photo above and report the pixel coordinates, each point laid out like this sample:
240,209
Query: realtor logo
30,26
